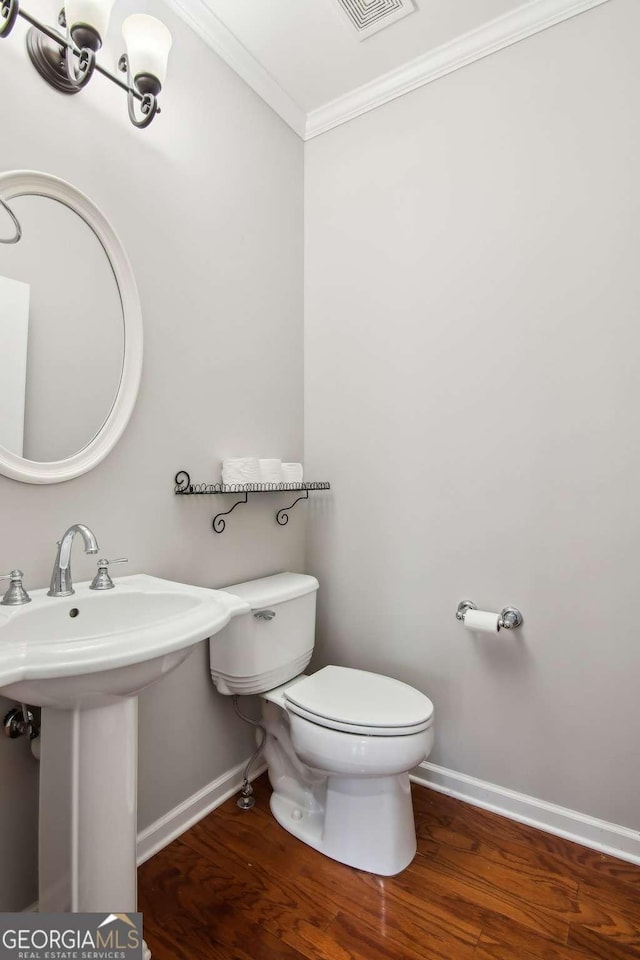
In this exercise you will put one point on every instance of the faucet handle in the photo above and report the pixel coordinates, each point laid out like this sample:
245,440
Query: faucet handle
102,580
16,594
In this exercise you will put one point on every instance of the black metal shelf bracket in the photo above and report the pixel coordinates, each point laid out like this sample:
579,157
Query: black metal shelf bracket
218,522
282,516
184,487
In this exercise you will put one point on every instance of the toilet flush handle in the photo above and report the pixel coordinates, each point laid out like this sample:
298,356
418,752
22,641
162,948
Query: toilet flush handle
265,614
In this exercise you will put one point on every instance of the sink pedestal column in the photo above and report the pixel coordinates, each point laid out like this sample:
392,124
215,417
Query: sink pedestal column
88,809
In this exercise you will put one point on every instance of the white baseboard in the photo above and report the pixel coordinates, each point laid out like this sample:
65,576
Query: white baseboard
174,823
610,838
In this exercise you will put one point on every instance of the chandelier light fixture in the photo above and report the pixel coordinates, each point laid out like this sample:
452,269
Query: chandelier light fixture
67,60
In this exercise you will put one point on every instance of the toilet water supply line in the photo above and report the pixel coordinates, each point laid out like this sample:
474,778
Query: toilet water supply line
246,799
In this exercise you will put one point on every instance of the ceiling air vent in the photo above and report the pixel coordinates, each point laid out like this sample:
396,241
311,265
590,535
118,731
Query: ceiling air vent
369,16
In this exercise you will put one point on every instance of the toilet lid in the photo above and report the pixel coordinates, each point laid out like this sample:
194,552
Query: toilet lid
366,702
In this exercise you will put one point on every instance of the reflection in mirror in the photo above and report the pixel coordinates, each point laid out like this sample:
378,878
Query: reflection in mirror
14,334
61,331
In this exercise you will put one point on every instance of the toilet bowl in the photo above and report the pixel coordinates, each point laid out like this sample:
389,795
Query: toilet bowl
339,742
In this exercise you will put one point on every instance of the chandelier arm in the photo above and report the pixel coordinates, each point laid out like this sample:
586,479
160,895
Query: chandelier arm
121,83
148,109
43,28
9,10
81,72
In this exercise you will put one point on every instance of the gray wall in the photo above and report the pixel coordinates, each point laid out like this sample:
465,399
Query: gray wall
472,390
208,203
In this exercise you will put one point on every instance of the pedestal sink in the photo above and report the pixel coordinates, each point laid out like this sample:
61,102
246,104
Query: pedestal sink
84,659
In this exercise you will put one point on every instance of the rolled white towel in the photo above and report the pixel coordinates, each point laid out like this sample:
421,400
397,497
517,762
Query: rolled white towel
292,472
270,470
241,470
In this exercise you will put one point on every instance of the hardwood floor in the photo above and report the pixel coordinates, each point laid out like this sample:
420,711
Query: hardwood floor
239,887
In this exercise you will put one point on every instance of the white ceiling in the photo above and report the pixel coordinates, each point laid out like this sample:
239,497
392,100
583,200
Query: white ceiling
310,64
313,52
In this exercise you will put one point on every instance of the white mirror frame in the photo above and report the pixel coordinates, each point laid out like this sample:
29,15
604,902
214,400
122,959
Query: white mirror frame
17,183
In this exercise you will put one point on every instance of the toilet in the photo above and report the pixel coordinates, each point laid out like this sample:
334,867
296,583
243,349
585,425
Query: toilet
339,743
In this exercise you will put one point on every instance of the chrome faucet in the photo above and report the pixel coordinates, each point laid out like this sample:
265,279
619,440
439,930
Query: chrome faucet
61,582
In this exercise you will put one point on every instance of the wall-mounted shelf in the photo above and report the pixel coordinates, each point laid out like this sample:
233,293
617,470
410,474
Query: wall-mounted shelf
184,488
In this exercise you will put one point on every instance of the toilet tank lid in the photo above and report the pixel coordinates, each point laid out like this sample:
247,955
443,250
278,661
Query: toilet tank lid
268,591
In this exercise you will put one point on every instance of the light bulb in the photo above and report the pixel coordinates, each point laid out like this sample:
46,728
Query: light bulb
148,43
90,13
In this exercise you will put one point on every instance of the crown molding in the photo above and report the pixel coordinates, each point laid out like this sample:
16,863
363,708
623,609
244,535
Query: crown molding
525,21
197,15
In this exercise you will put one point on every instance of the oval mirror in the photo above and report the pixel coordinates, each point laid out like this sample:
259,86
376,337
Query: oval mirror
70,331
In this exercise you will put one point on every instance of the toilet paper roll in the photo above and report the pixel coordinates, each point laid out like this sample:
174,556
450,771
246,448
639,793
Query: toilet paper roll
292,472
270,470
482,621
237,470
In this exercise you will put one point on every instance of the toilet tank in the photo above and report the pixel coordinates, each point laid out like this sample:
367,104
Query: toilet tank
256,652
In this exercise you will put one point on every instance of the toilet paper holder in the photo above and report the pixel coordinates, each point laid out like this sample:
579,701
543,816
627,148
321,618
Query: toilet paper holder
510,617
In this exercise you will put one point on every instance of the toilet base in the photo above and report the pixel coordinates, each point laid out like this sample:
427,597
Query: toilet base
366,822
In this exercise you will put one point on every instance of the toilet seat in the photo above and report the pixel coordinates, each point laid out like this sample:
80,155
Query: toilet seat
359,702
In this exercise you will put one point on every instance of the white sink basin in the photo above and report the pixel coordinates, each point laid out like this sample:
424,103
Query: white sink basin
95,647
84,659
